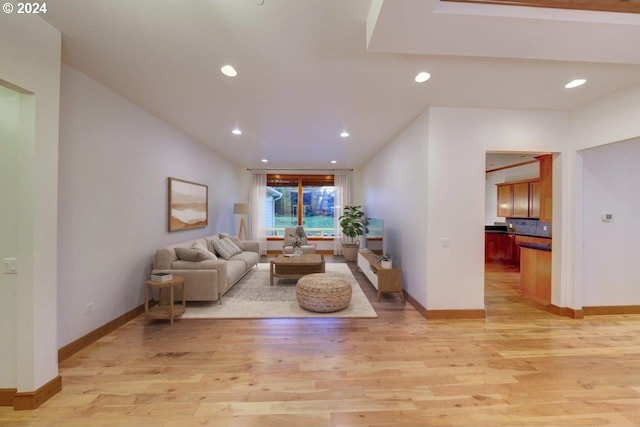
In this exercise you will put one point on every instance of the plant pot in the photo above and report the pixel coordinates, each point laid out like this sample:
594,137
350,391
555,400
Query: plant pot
386,264
350,251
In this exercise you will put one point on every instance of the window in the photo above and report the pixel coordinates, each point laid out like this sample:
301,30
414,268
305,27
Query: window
306,200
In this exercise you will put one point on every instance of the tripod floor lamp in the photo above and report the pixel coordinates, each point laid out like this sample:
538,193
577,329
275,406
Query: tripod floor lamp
242,209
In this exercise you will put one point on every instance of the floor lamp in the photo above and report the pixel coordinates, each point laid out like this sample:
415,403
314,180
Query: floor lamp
242,209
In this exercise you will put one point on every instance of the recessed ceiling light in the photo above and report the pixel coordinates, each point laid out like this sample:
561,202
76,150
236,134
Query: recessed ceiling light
334,162
344,134
236,131
422,77
575,83
264,160
229,71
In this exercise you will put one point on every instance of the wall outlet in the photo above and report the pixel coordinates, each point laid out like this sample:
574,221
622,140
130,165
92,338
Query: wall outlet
444,242
88,309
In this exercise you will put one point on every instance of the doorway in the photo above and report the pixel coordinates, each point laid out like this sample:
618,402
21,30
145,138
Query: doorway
518,228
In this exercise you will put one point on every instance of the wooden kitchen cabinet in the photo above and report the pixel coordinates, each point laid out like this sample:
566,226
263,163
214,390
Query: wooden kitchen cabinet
498,247
505,200
546,187
535,275
534,199
520,199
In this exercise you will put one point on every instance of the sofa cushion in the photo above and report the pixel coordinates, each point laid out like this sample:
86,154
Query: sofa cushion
249,258
209,264
235,269
225,247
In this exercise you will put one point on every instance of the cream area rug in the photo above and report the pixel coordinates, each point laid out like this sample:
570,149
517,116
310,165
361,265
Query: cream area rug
253,298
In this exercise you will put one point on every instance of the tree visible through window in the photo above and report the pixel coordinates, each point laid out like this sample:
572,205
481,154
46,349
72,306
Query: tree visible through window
306,200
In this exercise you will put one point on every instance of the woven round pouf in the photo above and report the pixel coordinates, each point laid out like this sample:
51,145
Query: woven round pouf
323,293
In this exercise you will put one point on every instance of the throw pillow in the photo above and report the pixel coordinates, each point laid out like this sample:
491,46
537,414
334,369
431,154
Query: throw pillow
234,239
302,235
190,254
225,247
200,247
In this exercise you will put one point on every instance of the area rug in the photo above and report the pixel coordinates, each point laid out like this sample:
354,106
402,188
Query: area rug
253,298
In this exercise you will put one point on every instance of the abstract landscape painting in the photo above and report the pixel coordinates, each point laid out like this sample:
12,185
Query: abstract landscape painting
188,205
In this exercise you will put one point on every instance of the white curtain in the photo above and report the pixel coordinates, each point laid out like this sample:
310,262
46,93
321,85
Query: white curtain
342,185
258,203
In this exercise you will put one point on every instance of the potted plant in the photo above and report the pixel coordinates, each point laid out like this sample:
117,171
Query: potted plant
385,260
297,242
353,224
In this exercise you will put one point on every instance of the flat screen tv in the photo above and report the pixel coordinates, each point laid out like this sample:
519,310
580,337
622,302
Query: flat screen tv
374,235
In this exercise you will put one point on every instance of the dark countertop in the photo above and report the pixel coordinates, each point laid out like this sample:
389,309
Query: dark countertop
495,229
536,246
502,229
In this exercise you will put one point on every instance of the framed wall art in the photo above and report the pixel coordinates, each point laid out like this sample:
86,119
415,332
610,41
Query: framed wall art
188,205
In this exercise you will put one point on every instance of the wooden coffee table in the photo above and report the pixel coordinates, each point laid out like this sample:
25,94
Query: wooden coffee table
294,267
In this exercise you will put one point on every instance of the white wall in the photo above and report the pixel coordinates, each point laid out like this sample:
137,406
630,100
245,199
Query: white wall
611,119
392,187
439,184
530,171
459,139
611,274
115,159
30,52
9,144
607,120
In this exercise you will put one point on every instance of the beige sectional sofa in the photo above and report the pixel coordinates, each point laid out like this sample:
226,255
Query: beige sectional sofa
209,279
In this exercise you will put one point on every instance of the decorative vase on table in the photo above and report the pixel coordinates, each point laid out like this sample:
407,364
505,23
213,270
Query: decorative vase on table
297,252
386,264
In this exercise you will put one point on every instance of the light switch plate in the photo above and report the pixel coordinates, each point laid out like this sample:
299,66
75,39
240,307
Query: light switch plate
9,265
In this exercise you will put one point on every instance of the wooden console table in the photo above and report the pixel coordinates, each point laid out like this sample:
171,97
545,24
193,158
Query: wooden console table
385,280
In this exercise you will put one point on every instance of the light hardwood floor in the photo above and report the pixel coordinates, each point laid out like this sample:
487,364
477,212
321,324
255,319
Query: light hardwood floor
521,366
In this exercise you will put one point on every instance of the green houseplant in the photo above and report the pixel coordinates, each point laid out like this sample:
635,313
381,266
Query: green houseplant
353,225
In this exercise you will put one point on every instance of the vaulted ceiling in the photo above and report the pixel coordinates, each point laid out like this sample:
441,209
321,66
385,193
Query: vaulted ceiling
308,70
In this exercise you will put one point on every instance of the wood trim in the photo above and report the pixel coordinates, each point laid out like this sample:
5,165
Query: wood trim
510,166
611,309
93,336
6,396
520,181
33,399
414,302
456,314
594,5
566,311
